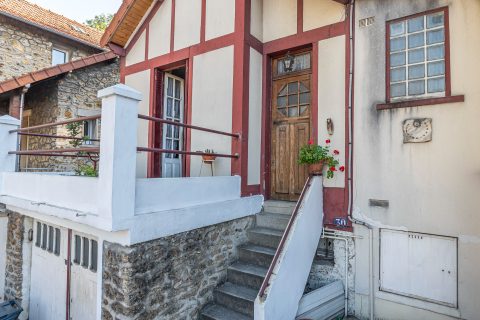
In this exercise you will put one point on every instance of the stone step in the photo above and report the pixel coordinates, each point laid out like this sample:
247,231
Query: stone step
265,237
277,206
235,297
247,275
255,254
217,312
271,220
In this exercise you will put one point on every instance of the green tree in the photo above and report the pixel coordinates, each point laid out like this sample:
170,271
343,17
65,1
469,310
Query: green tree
100,22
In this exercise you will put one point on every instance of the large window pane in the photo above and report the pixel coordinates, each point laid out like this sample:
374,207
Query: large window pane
397,44
436,85
397,28
435,36
416,71
398,90
416,40
436,68
416,87
435,52
415,24
435,20
397,74
397,59
416,56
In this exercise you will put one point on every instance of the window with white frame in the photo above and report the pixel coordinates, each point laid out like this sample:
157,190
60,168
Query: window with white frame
416,59
90,131
59,56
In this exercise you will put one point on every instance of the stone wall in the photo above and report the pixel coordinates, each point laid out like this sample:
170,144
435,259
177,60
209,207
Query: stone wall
14,261
171,277
24,48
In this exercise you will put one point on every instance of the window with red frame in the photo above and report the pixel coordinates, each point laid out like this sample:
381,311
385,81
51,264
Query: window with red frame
417,56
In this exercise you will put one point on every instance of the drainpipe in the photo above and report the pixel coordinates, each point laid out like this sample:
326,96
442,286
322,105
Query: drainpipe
351,8
22,102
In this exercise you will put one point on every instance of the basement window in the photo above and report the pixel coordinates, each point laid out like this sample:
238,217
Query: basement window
85,252
58,240
94,256
77,250
38,238
44,236
50,239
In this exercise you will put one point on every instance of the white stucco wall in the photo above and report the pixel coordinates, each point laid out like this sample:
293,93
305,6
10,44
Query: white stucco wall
220,18
256,19
212,107
317,14
141,81
3,256
331,100
279,19
187,23
159,31
137,52
431,187
255,118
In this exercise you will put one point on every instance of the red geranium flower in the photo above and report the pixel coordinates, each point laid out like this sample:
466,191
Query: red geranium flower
332,168
310,142
342,168
336,152
327,141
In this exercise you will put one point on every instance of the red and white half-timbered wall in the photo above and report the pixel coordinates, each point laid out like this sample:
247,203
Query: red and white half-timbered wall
225,48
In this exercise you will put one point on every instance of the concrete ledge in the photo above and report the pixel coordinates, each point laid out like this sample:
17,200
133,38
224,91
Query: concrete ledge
120,90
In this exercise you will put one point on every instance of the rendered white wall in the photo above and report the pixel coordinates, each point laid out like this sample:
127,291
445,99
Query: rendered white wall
159,31
212,107
432,187
256,19
255,118
279,19
3,255
187,23
141,81
317,13
220,18
331,99
137,52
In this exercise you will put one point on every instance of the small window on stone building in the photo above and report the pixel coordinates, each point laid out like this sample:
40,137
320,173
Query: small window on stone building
59,56
90,130
50,239
94,256
57,242
78,250
85,252
38,238
44,236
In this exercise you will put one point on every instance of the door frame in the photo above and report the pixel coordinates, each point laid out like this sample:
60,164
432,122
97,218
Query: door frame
155,134
267,87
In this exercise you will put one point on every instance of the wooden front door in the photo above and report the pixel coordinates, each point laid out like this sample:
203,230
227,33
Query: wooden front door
290,131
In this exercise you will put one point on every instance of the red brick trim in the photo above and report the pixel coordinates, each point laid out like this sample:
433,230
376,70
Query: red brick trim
420,102
299,16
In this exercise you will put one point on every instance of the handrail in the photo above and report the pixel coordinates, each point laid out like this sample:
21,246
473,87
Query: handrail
55,136
194,153
54,124
188,126
284,238
54,151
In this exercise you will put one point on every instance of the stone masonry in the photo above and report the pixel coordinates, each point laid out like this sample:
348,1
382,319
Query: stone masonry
171,277
24,48
14,262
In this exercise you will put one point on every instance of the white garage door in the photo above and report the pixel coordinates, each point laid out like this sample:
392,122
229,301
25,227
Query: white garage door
49,273
419,265
49,276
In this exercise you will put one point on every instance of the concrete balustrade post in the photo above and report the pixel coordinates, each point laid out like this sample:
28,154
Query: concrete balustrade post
8,142
118,152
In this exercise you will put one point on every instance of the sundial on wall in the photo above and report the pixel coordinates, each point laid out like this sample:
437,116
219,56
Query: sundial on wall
417,130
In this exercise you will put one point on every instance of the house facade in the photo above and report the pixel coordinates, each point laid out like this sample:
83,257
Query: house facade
165,232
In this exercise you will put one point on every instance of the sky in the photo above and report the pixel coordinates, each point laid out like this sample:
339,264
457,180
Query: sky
79,10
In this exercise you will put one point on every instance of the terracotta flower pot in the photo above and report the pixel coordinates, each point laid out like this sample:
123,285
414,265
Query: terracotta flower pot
316,169
208,158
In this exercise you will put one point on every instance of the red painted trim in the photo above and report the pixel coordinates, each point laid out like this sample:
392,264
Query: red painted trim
305,38
448,81
119,51
69,272
252,190
172,28
203,21
299,16
255,43
151,172
122,69
420,102
314,88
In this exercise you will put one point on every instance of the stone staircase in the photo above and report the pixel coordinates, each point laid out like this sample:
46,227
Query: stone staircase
235,298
